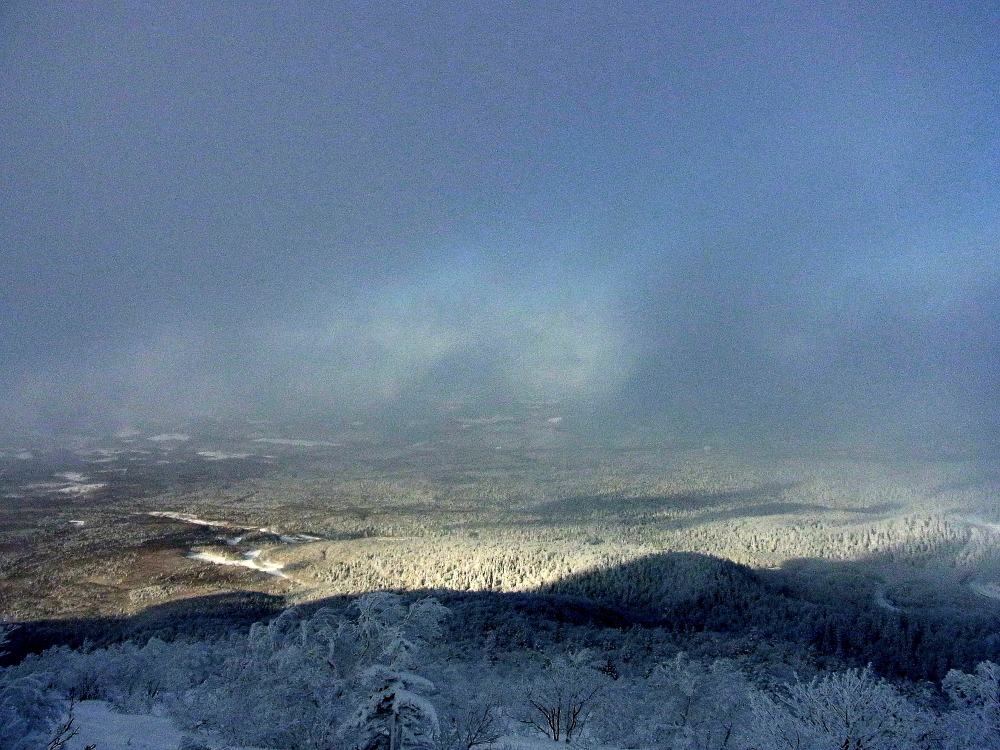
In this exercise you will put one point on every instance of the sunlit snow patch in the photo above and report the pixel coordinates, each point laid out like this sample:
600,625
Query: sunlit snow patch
76,485
233,541
81,489
101,455
169,437
298,443
220,456
187,518
249,561
298,538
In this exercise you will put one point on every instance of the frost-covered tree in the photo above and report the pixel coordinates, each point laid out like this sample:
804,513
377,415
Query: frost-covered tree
563,697
681,703
472,717
298,681
394,712
29,712
975,722
132,677
385,631
376,652
851,710
700,704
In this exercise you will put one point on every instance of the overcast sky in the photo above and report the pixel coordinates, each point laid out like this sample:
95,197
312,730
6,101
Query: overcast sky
715,215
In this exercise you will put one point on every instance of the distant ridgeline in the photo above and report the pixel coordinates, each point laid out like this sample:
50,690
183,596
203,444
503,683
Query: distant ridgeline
688,592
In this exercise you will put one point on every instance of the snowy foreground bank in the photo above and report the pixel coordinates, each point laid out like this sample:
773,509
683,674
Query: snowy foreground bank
99,724
378,674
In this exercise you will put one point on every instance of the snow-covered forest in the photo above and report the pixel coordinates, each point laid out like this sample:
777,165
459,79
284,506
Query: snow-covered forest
388,672
633,601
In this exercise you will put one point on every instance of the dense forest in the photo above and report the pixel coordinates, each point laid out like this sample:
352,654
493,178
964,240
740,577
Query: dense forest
741,665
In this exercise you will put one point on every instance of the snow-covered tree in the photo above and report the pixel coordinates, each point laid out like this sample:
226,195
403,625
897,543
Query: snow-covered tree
683,703
297,682
975,722
376,653
385,631
394,712
700,704
851,710
472,717
561,700
29,712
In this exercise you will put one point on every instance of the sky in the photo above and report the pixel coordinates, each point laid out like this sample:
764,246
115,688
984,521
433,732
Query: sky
712,217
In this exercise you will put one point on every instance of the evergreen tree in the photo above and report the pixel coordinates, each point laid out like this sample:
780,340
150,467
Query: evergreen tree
394,713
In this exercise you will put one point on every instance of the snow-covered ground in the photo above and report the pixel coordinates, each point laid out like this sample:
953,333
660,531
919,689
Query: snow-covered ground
81,489
98,724
296,538
972,521
188,518
72,483
299,443
249,560
221,456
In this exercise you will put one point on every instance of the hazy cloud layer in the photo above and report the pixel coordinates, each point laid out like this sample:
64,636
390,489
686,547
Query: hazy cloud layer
707,215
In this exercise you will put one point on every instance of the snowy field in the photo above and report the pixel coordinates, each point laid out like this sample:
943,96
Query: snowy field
97,723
